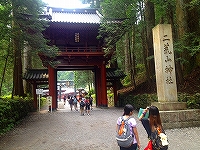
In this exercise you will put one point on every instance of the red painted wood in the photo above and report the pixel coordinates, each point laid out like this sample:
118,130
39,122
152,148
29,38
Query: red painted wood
52,86
103,86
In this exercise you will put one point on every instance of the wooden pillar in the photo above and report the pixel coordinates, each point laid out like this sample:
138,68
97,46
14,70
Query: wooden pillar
103,86
35,106
52,86
98,87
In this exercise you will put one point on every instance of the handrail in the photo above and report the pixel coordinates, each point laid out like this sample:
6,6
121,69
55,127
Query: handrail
81,49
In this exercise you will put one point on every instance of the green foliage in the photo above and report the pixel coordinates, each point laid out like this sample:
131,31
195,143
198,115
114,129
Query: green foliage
138,101
91,91
43,101
126,81
116,23
140,68
110,94
12,111
193,101
144,100
65,75
83,78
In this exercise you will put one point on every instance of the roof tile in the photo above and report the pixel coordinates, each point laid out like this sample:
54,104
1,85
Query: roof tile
72,17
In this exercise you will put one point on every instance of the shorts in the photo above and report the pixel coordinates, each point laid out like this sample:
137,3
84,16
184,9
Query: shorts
87,107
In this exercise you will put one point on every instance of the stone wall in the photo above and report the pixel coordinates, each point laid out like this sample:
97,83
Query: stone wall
180,118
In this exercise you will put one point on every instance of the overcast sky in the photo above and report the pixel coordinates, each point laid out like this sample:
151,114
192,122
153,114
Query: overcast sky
65,3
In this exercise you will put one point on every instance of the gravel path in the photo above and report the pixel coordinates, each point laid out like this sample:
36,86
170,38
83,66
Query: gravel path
68,130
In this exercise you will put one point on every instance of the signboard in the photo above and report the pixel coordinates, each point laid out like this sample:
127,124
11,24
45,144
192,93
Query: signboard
39,91
49,99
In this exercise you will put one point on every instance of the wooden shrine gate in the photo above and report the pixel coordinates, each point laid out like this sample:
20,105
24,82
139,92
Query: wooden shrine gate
75,33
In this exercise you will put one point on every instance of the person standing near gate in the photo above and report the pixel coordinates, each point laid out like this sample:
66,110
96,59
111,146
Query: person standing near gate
87,106
70,102
75,101
91,101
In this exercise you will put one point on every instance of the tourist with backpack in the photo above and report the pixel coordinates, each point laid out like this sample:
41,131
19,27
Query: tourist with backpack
75,101
82,106
70,100
87,106
153,126
127,135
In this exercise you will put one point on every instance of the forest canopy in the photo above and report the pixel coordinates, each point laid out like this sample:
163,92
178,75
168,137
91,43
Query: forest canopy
126,30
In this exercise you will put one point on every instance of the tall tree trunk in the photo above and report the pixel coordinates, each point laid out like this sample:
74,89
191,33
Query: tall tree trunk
4,69
193,27
27,64
150,23
144,48
126,54
133,58
170,16
17,47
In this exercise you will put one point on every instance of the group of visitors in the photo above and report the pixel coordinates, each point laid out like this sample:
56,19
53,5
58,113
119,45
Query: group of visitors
85,105
152,124
84,102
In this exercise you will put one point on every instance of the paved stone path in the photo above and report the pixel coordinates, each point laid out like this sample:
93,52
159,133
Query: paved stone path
68,130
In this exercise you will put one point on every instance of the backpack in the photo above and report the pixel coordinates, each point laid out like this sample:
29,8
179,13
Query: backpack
87,102
75,100
82,104
159,139
124,137
71,101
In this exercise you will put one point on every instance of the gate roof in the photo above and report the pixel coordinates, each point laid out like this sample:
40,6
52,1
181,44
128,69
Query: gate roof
41,75
88,16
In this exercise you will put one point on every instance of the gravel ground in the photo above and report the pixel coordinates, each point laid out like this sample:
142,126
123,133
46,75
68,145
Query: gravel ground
68,130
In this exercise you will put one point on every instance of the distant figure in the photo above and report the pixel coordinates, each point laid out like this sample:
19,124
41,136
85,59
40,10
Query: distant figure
65,97
75,101
70,102
87,106
91,101
82,106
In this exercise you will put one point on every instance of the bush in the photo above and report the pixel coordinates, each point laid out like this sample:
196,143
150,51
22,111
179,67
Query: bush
138,101
13,110
193,101
144,100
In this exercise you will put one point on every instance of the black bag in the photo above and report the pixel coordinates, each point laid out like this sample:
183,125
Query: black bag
82,104
159,140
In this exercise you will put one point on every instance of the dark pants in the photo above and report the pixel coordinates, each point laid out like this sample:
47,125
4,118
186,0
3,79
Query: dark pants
145,123
132,147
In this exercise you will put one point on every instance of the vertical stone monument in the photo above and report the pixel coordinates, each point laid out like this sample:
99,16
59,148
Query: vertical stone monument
165,69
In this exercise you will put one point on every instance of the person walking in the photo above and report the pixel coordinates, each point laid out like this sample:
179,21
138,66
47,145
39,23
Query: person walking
75,101
87,106
82,106
70,99
64,98
91,101
128,112
154,128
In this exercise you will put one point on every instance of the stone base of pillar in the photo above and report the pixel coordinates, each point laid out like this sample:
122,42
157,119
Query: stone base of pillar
180,118
167,106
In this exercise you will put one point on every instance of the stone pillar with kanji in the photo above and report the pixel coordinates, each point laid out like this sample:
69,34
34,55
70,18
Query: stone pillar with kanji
165,69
